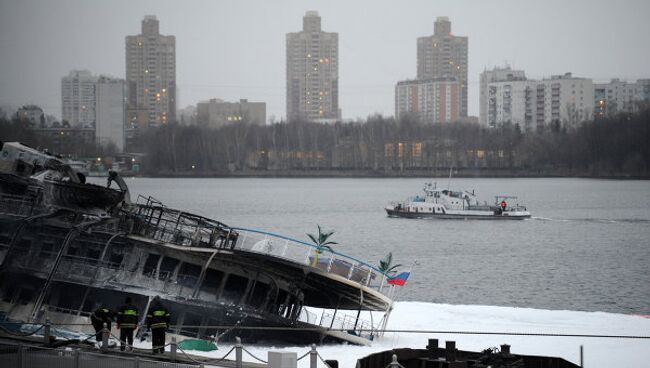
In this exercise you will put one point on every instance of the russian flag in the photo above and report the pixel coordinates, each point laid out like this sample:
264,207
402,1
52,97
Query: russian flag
400,279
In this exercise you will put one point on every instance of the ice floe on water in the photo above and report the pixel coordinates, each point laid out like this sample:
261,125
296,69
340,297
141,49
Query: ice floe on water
598,352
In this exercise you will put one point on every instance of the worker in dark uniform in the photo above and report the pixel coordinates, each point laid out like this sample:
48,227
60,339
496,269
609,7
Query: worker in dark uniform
157,321
127,321
100,316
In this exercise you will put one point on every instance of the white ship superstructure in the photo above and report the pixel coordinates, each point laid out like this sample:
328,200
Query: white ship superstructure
446,203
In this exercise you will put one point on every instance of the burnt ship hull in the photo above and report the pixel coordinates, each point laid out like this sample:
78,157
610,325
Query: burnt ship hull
67,247
216,281
265,297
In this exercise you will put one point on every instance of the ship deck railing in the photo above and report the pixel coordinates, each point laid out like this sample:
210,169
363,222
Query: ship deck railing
308,317
74,312
155,221
517,208
329,320
16,206
307,254
360,327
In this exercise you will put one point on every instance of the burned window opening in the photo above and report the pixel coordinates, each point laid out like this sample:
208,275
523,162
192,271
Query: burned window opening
258,295
212,281
188,274
234,288
151,264
167,268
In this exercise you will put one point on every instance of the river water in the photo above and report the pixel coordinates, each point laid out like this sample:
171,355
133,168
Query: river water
587,246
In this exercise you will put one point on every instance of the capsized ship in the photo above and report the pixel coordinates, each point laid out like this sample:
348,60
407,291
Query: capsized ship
66,246
449,204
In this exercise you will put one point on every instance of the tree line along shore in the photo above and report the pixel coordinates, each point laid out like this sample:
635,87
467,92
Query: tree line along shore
612,147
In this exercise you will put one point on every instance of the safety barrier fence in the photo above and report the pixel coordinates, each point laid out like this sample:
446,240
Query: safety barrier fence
28,356
23,356
48,326
37,327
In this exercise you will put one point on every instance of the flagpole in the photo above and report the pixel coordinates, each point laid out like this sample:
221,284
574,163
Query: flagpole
392,293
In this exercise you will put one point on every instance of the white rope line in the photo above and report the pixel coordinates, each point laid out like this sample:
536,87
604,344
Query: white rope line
323,360
251,354
189,357
361,330
220,359
304,355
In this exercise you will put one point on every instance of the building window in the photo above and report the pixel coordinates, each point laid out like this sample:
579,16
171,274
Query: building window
389,150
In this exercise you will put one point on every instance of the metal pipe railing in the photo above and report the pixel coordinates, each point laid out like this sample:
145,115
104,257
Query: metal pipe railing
295,250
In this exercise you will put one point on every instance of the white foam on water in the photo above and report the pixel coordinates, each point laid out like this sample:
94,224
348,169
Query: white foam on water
598,352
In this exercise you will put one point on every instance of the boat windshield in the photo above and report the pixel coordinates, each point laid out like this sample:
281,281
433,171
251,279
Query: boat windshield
452,193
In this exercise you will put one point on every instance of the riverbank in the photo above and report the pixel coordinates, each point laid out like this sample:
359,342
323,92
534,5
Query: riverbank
408,173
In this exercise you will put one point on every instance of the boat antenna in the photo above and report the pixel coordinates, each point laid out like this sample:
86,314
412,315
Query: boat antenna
449,183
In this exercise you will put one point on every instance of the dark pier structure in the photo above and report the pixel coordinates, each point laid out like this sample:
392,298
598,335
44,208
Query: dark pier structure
450,357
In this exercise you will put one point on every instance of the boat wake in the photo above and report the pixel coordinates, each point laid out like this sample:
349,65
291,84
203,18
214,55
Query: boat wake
596,220
546,219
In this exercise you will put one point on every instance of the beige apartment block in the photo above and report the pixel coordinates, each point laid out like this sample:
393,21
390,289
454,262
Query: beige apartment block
216,113
312,73
430,101
444,55
150,76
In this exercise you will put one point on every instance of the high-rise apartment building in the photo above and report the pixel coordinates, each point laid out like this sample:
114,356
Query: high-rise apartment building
490,76
78,98
110,107
96,104
444,55
537,104
150,76
313,72
430,101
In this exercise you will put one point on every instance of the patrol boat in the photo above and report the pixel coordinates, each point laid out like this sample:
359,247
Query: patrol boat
449,204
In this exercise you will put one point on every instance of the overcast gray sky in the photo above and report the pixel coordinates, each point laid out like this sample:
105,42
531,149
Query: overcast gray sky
236,49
